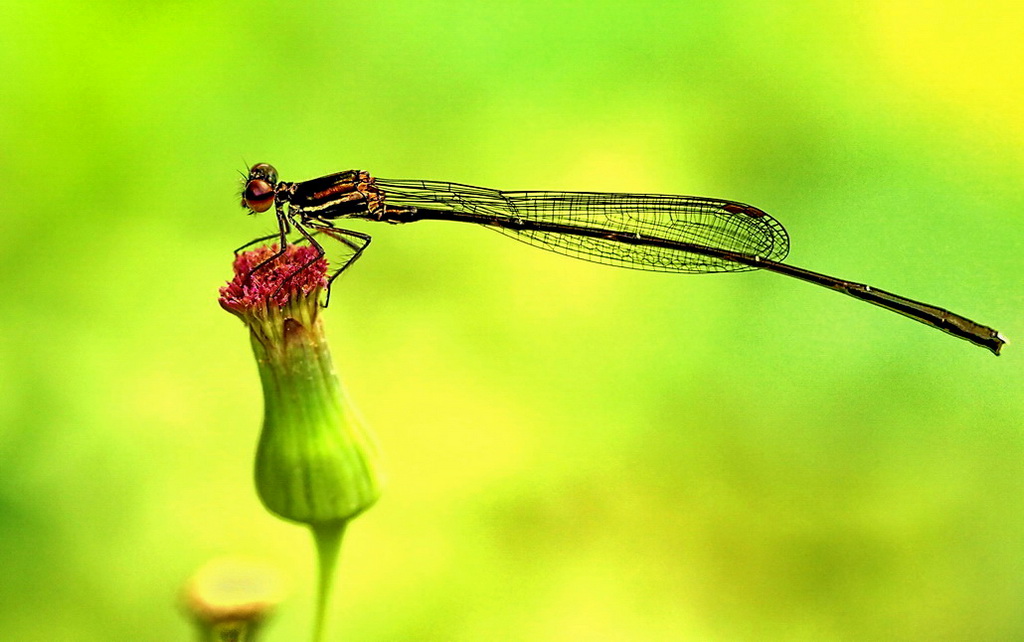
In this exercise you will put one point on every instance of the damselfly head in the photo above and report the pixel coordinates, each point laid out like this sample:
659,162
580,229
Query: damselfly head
258,194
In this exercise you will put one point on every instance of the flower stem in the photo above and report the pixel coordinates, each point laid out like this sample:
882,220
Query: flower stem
328,544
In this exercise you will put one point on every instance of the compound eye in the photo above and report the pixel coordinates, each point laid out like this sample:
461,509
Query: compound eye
263,170
258,195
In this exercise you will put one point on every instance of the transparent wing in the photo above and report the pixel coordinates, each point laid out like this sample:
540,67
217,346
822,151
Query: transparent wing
723,225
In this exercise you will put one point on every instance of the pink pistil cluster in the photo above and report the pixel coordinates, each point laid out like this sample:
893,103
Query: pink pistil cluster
251,291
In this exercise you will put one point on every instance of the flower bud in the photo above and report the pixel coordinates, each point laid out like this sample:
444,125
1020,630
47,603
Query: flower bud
315,463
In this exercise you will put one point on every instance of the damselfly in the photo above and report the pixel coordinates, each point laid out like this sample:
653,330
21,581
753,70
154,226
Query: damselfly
686,234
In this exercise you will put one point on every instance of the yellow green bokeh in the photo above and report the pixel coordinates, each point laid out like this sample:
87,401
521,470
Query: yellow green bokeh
574,452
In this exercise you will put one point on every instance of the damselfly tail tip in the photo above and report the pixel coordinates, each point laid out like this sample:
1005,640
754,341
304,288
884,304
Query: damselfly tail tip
998,341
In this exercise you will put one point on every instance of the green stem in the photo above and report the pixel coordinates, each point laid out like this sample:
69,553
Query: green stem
328,544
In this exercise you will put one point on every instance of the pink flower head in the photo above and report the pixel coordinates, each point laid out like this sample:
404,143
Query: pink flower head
297,272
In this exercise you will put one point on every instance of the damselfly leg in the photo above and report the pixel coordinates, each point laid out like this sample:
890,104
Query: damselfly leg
361,242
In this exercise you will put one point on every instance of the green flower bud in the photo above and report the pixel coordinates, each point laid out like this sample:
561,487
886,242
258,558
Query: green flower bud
315,463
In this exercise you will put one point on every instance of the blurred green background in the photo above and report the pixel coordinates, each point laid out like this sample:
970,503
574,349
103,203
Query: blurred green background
574,452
